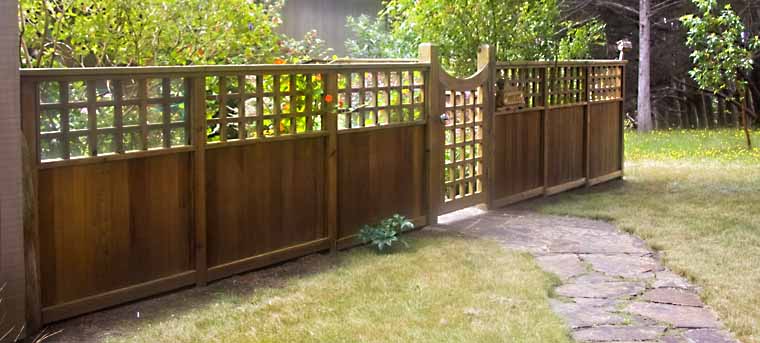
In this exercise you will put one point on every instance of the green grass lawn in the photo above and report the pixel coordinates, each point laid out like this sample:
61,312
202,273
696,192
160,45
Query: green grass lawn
443,289
695,197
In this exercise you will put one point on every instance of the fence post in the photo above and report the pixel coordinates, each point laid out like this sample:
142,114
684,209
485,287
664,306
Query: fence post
33,289
544,126
587,125
487,59
434,132
198,123
622,120
331,162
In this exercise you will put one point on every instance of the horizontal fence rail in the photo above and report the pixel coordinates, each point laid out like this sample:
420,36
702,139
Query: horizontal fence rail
148,179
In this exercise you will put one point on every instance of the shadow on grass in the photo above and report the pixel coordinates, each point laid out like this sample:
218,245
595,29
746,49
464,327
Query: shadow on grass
121,320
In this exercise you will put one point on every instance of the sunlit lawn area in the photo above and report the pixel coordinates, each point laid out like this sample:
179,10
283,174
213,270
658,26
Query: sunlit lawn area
443,289
695,196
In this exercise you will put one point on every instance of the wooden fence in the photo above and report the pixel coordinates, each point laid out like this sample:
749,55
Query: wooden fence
568,133
151,179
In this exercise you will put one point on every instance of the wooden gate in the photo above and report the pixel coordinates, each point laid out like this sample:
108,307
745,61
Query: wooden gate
459,129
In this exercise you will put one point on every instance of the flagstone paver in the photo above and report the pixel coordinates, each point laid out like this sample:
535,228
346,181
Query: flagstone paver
614,289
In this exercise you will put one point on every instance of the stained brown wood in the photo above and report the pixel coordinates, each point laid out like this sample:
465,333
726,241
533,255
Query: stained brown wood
564,132
153,220
263,197
31,216
517,154
604,148
198,133
380,173
113,225
434,132
487,59
331,164
119,296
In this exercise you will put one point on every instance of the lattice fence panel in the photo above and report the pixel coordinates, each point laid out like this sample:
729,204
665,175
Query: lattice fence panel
370,98
88,118
527,80
566,85
258,106
607,82
463,145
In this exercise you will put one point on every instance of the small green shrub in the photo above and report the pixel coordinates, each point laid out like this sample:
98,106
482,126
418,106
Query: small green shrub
383,234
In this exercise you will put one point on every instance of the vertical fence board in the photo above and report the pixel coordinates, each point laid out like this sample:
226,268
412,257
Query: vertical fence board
197,112
331,162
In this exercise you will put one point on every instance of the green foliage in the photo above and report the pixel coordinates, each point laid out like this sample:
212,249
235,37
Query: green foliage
715,35
373,40
65,33
579,38
386,232
519,29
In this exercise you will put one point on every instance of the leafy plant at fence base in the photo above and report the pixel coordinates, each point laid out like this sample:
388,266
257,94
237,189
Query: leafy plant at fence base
383,234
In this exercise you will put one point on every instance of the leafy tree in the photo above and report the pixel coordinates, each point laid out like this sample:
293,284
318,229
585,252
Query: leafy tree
63,33
519,29
373,40
722,51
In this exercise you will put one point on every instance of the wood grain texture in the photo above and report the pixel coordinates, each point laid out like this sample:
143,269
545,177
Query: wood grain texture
604,148
108,226
31,216
517,154
564,144
264,197
380,173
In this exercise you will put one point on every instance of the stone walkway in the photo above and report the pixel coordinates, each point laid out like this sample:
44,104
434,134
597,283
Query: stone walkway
614,289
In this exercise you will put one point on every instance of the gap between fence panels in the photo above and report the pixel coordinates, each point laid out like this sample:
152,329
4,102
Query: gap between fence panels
215,171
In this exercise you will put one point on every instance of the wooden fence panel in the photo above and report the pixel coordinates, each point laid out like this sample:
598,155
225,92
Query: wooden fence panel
578,107
261,198
108,226
605,143
518,166
380,173
564,144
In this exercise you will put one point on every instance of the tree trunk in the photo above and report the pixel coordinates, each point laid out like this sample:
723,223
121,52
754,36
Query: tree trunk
722,112
745,123
734,115
706,111
644,117
711,110
677,103
702,104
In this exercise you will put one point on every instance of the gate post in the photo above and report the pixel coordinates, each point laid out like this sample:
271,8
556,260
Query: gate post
433,132
487,60
197,117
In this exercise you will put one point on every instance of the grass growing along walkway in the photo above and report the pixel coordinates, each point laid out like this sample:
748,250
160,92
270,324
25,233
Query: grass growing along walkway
443,289
695,197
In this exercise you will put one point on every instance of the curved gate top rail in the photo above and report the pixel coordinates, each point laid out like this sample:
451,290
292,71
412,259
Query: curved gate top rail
459,141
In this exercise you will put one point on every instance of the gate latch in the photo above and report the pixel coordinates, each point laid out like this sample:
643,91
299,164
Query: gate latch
444,118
